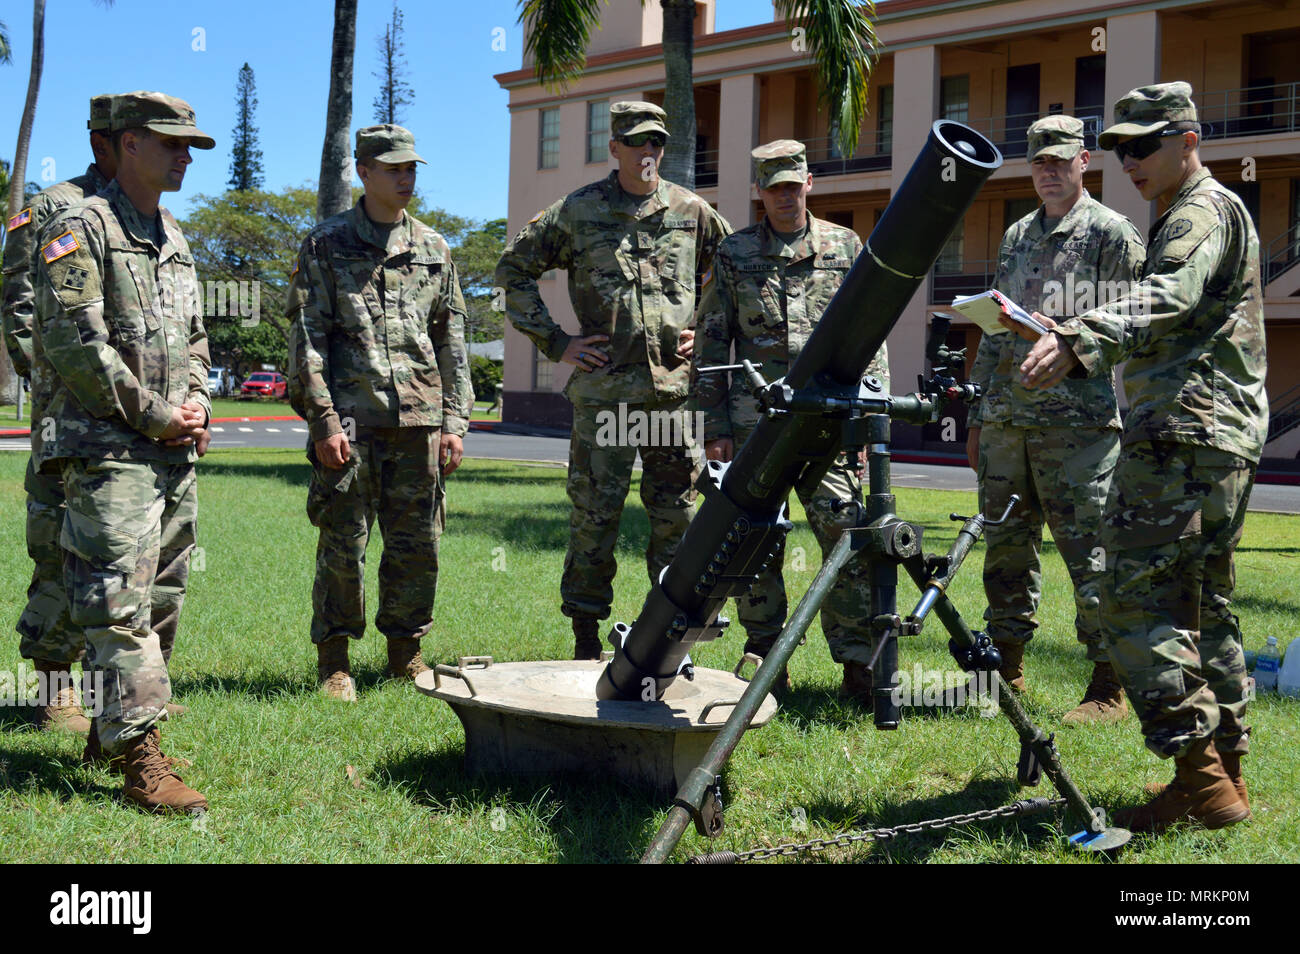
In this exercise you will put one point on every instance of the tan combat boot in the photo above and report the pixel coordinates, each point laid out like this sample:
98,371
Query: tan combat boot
586,638
404,659
150,781
332,669
1201,791
1013,664
1231,765
856,684
1103,700
61,703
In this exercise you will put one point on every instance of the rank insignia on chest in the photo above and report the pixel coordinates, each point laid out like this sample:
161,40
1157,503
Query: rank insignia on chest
76,278
65,244
645,240
19,220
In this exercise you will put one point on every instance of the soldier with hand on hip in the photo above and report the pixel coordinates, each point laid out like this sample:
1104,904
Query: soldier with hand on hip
636,248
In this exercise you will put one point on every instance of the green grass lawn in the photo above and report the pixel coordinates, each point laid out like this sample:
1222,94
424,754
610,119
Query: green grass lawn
9,415
250,407
294,777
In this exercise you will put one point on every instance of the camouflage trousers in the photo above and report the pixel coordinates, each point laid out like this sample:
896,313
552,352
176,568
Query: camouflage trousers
1172,522
601,454
846,613
392,475
127,535
46,624
1062,475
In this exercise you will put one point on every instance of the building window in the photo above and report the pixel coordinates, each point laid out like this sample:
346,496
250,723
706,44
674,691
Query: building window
548,143
1014,210
954,98
950,259
598,131
885,120
543,372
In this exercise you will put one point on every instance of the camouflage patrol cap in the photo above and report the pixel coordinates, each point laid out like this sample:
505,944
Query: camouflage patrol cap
1149,109
386,143
160,113
101,113
629,117
783,160
1059,136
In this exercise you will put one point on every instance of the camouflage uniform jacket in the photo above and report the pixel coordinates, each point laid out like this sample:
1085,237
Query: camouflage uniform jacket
377,332
767,297
1092,255
634,265
1192,330
120,329
19,309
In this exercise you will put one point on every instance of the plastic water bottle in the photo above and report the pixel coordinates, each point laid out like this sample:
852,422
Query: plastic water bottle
1288,676
1267,664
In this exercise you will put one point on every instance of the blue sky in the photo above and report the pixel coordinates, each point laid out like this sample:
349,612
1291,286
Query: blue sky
459,117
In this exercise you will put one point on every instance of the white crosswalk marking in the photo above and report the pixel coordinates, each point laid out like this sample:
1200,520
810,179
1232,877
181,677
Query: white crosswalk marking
300,430
273,430
217,430
246,430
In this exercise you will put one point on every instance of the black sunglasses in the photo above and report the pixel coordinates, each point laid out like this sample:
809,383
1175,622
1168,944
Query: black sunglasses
640,139
1143,146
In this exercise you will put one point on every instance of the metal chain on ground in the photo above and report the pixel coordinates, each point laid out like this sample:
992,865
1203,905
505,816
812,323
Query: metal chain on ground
1029,806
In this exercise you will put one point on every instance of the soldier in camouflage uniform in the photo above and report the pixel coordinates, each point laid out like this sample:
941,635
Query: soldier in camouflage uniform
120,330
635,247
1193,335
1055,448
771,283
378,368
48,637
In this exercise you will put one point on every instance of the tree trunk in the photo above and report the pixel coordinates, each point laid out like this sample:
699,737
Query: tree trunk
679,96
18,175
334,194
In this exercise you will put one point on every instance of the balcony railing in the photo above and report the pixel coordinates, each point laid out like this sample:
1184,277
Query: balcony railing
824,158
1249,111
1281,253
1010,131
706,168
974,277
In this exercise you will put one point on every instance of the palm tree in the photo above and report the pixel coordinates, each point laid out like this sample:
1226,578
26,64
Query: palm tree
838,35
334,194
19,171
6,53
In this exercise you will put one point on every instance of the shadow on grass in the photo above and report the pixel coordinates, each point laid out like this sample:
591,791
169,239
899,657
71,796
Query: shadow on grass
978,795
1265,604
58,774
263,686
592,821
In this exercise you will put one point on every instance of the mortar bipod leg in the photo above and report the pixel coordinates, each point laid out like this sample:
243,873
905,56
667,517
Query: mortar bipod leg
1032,738
690,798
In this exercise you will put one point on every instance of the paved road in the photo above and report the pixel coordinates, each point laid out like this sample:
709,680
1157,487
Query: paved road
485,444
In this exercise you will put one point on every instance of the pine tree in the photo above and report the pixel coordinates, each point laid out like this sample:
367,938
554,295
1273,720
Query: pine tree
245,156
395,92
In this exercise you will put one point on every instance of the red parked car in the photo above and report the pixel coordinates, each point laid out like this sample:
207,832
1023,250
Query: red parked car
266,384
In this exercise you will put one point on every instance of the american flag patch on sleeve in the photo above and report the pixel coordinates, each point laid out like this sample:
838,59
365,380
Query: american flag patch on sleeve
65,244
22,218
